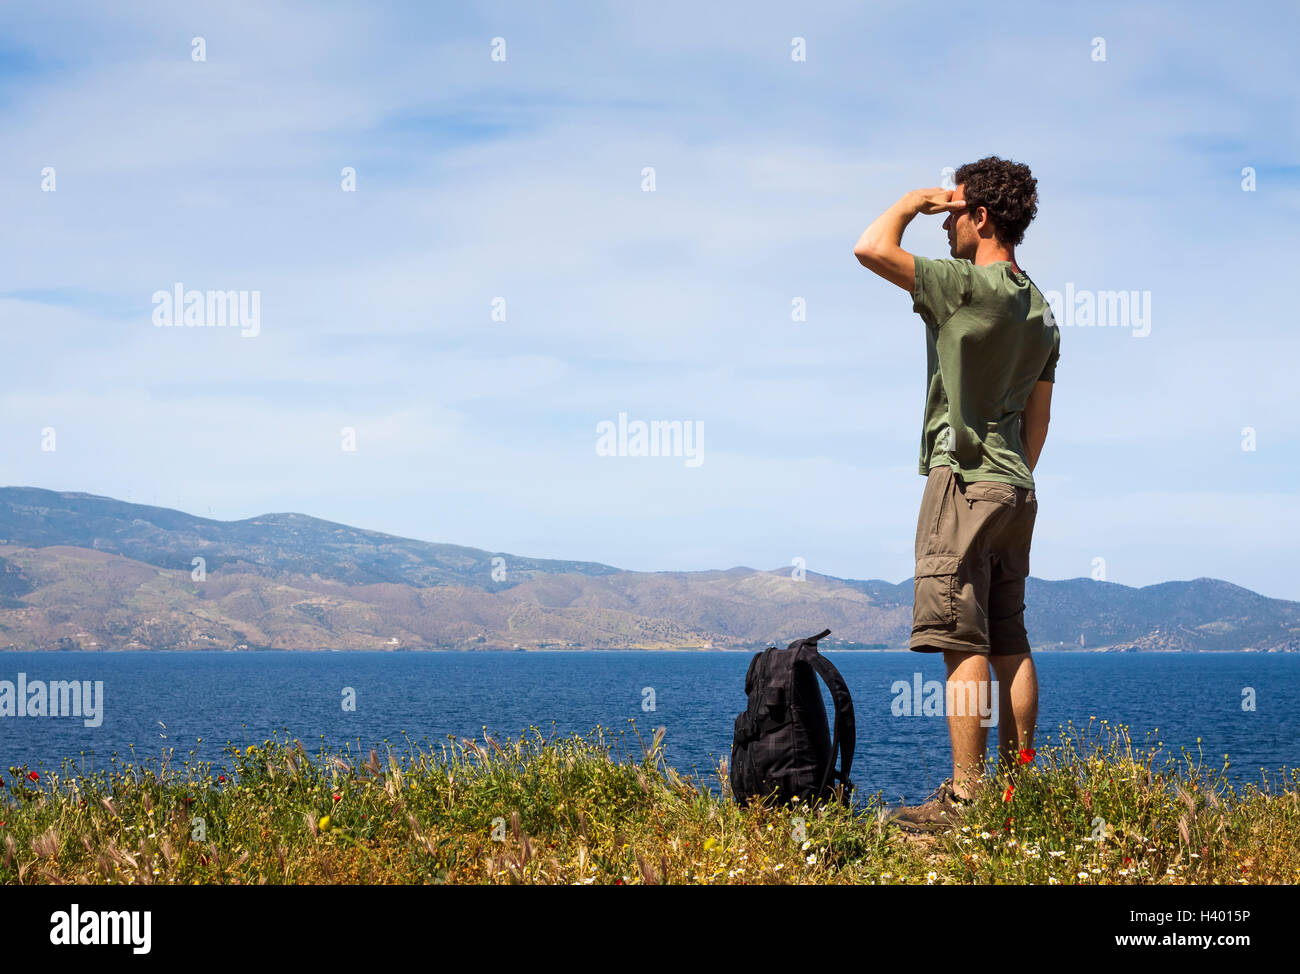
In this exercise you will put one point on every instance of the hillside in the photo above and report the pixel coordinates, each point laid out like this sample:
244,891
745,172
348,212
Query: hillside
85,572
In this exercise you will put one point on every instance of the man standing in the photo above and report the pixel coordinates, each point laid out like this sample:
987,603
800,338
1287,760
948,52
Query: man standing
991,352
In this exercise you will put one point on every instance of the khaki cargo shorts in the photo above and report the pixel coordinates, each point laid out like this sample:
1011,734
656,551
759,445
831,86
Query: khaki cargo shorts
972,559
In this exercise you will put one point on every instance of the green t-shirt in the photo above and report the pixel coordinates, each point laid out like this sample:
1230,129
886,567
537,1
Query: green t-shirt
989,336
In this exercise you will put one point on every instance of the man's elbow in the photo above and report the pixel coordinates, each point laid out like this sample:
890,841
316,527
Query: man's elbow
1035,430
869,253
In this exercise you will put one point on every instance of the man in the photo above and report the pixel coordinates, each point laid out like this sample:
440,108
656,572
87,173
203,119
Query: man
991,351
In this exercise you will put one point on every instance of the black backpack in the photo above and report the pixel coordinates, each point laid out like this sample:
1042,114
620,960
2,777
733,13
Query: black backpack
782,743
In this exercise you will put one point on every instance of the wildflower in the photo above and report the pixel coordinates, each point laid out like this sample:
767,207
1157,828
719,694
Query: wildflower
812,859
985,835
710,844
1081,875
338,798
1053,881
1006,795
221,780
1027,754
930,877
33,775
1127,860
324,823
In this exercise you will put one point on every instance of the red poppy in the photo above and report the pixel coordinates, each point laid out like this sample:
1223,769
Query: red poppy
1127,860
338,798
1006,796
221,780
1027,754
33,775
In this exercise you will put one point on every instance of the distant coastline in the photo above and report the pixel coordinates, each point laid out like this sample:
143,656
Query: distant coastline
83,572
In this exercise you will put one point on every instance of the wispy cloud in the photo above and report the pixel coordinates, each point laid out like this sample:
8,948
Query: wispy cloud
481,181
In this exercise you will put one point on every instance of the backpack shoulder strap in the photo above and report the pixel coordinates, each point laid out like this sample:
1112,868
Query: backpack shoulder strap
845,724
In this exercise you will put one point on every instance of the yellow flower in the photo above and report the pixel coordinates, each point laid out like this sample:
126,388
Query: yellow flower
324,823
250,749
710,844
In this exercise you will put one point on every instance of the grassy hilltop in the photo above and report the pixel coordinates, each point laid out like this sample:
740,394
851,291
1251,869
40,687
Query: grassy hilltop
1088,808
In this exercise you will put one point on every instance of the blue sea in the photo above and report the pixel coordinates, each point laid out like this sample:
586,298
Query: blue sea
156,701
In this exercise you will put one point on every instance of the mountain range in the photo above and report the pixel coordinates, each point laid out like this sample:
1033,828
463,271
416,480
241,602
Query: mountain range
80,571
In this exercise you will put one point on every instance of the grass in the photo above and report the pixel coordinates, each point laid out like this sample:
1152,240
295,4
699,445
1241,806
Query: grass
1088,808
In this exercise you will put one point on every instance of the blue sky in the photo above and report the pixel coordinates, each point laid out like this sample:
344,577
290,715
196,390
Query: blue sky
522,179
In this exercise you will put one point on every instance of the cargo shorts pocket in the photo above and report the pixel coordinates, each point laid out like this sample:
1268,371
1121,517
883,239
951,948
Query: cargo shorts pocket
991,490
935,591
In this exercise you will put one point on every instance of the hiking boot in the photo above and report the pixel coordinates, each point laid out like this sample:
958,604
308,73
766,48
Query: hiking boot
940,812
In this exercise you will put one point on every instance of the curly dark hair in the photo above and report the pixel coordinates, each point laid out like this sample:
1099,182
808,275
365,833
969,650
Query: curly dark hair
1008,190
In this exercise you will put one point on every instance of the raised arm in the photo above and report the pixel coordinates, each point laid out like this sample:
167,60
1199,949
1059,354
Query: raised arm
879,250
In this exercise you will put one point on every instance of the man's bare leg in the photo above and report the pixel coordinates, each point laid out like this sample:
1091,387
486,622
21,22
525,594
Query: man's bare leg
966,727
1017,706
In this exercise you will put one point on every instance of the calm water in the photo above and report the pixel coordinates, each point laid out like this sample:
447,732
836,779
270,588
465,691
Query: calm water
247,698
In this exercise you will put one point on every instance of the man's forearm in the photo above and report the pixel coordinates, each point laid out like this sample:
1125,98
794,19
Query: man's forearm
887,230
1034,435
878,248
